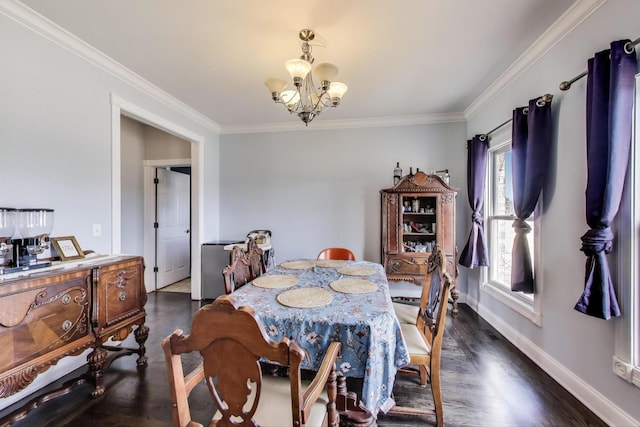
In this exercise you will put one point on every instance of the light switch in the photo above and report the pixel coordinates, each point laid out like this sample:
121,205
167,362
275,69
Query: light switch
97,230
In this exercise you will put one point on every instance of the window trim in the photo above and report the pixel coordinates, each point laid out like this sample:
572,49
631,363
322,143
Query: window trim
529,309
626,358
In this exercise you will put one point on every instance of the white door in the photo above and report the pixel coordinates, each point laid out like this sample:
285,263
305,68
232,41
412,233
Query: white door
173,212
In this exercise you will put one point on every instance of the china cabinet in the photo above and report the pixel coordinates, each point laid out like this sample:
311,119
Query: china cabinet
418,213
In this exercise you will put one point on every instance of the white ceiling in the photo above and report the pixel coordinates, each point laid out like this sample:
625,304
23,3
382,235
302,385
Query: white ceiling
403,58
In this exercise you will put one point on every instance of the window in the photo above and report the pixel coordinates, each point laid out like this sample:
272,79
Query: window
499,216
626,359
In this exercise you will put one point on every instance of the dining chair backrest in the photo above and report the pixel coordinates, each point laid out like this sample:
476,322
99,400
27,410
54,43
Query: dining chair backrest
434,320
256,258
429,298
238,272
337,253
231,341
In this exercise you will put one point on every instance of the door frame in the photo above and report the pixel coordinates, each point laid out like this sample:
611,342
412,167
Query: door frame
150,248
120,107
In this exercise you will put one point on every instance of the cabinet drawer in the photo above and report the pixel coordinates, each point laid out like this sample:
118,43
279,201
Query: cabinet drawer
43,318
119,288
406,266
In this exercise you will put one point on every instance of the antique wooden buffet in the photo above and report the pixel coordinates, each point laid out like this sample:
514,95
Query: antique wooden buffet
418,213
66,309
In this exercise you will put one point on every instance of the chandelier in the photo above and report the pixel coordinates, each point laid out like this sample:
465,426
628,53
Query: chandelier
307,100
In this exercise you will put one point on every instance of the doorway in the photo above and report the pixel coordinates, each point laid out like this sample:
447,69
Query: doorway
176,222
173,226
122,108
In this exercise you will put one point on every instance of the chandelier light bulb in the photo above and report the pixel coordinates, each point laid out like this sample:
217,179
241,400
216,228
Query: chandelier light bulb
298,68
326,73
290,98
275,85
337,90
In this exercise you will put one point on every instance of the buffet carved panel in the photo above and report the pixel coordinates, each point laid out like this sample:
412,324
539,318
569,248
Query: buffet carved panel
51,314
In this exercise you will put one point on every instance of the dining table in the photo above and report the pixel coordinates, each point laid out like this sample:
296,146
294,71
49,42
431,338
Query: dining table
315,302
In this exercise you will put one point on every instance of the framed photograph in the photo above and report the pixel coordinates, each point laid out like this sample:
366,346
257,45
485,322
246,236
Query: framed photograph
67,248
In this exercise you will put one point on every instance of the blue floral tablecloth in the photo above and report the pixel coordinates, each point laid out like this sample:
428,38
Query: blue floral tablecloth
372,344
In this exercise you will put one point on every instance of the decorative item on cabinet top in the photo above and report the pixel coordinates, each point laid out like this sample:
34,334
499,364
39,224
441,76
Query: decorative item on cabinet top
423,182
444,174
397,173
67,248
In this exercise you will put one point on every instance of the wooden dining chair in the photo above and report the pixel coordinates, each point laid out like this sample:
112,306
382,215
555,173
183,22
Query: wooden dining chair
238,273
337,253
424,342
231,342
256,258
408,312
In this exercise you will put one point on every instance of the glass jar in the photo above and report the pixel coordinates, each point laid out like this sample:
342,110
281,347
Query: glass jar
415,205
397,173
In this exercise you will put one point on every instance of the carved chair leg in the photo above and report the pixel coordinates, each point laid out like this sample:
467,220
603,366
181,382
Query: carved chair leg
274,369
332,393
352,411
423,375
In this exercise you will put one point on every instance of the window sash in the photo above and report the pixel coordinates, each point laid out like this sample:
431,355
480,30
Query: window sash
626,359
526,305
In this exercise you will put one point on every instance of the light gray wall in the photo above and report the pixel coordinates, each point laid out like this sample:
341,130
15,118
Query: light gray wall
580,344
320,188
55,143
132,137
55,135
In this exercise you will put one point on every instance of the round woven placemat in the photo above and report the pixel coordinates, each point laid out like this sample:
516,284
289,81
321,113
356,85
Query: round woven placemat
305,297
275,281
297,265
331,263
355,270
353,286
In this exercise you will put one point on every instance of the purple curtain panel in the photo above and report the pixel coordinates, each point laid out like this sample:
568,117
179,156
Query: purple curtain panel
475,252
610,83
530,148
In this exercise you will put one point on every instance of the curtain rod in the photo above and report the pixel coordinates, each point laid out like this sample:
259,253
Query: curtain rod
628,48
539,102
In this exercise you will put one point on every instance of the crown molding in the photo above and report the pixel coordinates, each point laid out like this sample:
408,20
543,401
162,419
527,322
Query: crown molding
40,25
348,124
37,23
559,30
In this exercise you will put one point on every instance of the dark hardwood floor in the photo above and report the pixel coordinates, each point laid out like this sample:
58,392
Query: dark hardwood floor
486,382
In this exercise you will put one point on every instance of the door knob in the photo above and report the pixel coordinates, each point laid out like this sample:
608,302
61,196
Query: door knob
187,231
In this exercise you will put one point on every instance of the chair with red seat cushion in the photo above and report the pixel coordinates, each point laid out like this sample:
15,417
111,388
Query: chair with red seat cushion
337,253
